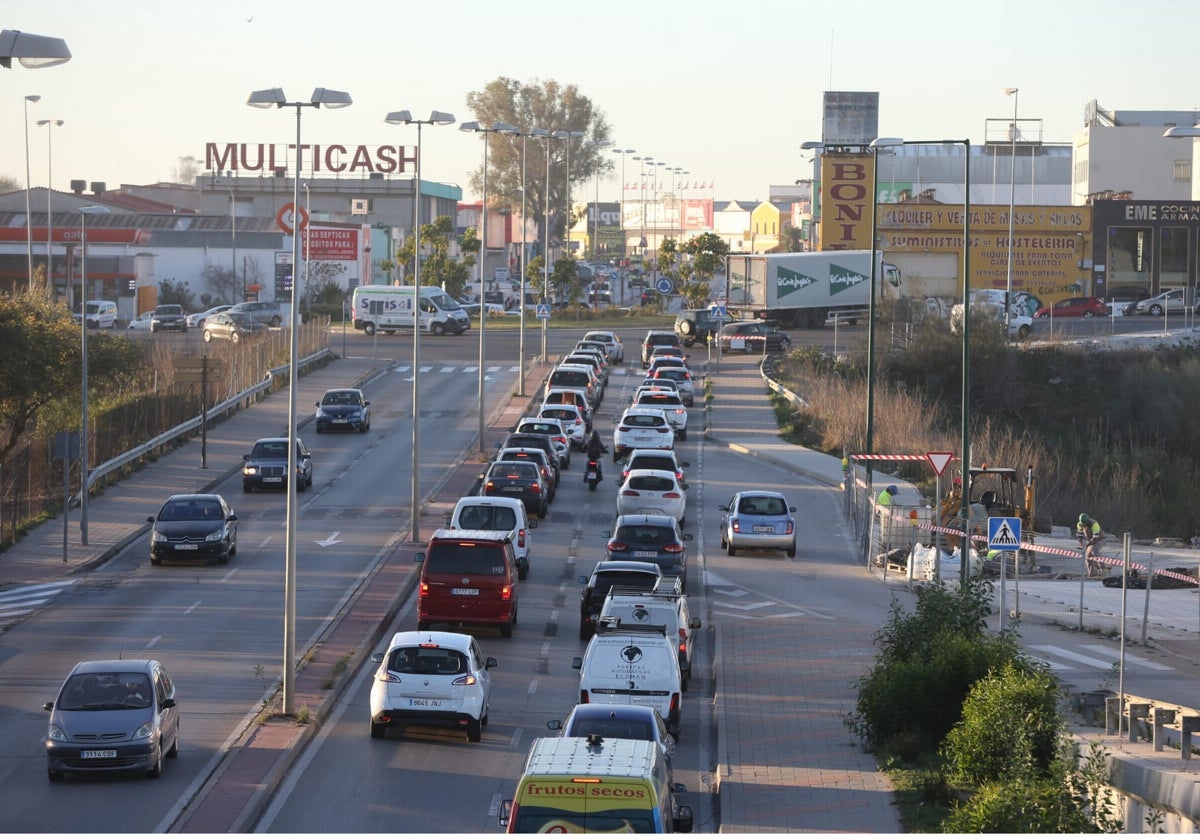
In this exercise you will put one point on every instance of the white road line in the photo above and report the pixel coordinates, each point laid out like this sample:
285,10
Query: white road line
515,741
1072,656
188,611
533,686
1132,658
38,587
152,642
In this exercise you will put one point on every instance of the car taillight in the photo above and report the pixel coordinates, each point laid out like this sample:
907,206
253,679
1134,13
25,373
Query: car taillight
469,679
614,545
489,486
791,526
735,525
622,428
674,703
506,592
679,475
663,429
545,472
583,696
536,487
673,548
521,538
561,440
424,588
630,493
672,495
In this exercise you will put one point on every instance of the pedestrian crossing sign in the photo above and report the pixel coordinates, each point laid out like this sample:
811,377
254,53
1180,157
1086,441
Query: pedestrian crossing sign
718,312
543,310
1004,533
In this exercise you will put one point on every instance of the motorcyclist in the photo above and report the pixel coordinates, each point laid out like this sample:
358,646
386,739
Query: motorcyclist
595,448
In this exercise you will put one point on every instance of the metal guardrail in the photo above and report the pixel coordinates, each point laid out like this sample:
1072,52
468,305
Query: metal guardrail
186,428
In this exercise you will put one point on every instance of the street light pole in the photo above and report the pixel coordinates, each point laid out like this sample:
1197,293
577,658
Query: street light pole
563,134
496,128
545,136
50,126
405,118
28,186
599,144
83,422
624,240
274,98
1012,191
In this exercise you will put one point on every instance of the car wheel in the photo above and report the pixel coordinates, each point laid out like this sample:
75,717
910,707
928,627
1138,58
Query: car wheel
156,771
369,328
223,559
379,730
686,327
683,682
585,631
207,337
791,552
233,550
522,572
723,539
234,337
730,550
474,731
155,561
1156,310
1023,332
1088,314
246,488
54,775
683,434
506,630
319,430
174,751
153,328
437,329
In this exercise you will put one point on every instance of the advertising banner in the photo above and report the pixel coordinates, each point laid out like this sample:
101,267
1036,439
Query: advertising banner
846,201
333,244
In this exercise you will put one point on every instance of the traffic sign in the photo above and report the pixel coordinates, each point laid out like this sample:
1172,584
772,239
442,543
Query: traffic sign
290,217
663,286
939,460
543,311
1004,533
718,312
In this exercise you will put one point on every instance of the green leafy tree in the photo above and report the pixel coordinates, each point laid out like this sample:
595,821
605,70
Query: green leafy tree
705,257
550,106
438,266
169,292
41,376
564,280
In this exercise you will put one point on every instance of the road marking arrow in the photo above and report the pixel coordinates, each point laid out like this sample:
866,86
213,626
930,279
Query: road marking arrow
332,539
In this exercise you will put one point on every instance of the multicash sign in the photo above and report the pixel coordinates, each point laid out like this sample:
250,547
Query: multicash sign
335,158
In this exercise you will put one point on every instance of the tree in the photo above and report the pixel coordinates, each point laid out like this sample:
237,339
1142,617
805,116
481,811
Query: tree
8,184
706,254
225,283
40,345
169,292
186,171
545,105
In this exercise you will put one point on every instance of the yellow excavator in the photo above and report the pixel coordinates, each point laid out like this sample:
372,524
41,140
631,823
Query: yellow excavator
992,491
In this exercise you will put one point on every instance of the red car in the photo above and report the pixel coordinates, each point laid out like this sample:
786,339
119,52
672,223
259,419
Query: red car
1083,307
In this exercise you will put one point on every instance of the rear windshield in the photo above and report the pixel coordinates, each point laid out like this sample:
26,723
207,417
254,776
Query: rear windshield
651,462
465,558
541,428
656,534
651,482
514,469
634,730
648,421
605,581
762,506
570,378
487,518
421,660
658,398
561,413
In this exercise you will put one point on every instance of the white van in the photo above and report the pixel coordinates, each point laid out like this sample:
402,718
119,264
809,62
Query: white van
633,666
496,513
100,314
390,308
666,605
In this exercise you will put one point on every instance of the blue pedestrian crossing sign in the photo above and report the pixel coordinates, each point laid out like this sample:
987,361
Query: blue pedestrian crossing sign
718,312
543,311
1004,533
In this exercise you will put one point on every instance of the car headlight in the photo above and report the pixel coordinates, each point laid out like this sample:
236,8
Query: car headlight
55,733
250,469
143,731
216,536
158,537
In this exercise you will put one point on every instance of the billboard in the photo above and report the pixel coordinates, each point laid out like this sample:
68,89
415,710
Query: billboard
846,201
329,243
850,118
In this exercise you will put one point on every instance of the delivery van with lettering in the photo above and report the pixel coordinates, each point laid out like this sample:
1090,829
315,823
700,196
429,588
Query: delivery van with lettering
390,308
595,784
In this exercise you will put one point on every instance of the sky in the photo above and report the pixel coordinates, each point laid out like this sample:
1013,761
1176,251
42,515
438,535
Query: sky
728,91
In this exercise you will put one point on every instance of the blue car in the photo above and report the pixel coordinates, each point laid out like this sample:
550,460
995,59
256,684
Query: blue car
343,409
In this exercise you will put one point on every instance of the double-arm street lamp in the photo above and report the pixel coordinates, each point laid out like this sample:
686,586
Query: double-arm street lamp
597,144
33,97
545,136
274,98
496,128
406,118
563,134
32,51
624,239
84,212
50,126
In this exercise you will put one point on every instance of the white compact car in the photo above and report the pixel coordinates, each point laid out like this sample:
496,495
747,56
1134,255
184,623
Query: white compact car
652,491
548,426
671,405
428,678
572,420
616,350
642,428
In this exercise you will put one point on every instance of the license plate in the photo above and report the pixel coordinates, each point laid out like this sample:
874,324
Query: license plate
272,479
512,489
340,420
764,529
98,754
186,547
645,554
464,591
424,703
591,475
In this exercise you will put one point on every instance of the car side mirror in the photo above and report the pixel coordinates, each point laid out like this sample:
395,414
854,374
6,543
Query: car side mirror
694,624
419,557
245,457
168,703
577,663
49,707
149,518
685,463
684,821
491,662
554,725
582,579
606,535
366,403
317,403
687,537
792,508
532,524
231,518
723,507
377,657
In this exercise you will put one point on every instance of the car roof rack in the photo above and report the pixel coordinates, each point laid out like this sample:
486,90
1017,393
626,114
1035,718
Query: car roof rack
668,587
612,624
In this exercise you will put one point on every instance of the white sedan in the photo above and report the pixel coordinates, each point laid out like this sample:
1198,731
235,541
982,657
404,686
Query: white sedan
142,322
653,492
642,428
196,319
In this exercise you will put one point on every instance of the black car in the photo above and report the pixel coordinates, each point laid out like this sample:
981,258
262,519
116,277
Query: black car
193,526
526,440
520,480
168,316
343,409
750,336
267,464
606,575
692,325
649,537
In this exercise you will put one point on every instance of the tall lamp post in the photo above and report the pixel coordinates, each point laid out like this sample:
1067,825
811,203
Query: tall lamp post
643,160
33,97
84,212
405,118
563,134
1183,132
496,128
598,144
274,98
524,251
624,239
545,136
50,126
1012,194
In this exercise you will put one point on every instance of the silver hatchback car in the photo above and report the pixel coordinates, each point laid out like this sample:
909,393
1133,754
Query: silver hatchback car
758,519
113,715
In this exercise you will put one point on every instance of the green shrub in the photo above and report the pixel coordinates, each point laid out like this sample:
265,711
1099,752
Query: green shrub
1020,806
1010,727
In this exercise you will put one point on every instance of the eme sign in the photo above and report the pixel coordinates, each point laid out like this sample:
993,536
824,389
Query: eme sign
1004,533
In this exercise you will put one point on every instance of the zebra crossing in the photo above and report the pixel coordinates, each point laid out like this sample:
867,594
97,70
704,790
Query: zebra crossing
1087,657
17,603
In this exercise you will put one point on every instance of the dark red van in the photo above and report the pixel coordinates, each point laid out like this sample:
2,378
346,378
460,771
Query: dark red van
468,578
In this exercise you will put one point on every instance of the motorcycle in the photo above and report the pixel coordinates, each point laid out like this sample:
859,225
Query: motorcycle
592,474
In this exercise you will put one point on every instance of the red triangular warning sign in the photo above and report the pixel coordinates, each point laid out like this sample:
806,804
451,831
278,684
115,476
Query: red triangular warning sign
939,460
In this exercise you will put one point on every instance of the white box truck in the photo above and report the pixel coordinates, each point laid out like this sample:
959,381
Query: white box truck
804,289
390,308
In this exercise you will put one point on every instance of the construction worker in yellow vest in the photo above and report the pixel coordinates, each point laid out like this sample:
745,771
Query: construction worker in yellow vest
1091,540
